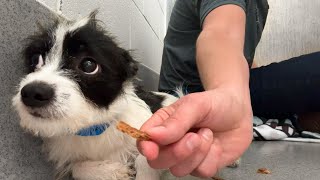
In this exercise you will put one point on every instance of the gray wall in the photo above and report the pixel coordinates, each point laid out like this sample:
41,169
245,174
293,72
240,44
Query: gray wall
292,29
20,156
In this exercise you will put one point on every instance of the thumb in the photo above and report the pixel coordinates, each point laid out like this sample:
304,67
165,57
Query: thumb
170,124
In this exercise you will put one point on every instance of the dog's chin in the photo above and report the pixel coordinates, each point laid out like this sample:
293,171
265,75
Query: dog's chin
39,115
42,125
47,123
40,122
44,113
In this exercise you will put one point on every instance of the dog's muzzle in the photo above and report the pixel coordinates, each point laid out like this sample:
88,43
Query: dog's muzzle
37,94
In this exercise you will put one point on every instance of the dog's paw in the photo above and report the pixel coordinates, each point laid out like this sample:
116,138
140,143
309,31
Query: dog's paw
125,173
235,164
144,171
102,170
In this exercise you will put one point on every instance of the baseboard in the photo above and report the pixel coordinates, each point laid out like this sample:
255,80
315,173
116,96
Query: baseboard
149,79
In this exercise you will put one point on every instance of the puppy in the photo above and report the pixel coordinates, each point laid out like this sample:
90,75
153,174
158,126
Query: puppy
80,83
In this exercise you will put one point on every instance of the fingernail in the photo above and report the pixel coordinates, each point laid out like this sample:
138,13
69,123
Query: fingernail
193,142
206,134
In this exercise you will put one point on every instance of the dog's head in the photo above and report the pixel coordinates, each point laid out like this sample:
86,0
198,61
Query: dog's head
77,72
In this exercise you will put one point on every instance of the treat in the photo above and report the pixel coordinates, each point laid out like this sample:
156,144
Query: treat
133,132
263,171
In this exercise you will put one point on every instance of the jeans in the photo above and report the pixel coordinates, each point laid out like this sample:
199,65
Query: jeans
281,90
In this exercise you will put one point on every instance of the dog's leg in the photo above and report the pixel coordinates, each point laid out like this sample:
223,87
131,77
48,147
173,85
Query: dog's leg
235,164
101,170
144,171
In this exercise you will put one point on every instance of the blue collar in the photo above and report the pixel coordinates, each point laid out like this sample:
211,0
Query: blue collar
94,130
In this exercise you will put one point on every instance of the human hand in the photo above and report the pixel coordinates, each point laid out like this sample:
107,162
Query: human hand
199,134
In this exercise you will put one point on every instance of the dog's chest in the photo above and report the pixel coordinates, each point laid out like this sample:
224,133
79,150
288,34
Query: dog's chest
112,145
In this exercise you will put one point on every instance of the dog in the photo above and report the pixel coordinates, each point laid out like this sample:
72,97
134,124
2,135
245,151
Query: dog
80,84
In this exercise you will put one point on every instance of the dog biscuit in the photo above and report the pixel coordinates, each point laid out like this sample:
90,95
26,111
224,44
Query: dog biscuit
133,132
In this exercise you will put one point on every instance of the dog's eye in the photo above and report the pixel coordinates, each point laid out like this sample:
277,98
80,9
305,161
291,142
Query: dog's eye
37,61
89,66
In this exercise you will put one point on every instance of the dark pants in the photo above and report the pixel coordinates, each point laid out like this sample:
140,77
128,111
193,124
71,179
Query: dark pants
281,90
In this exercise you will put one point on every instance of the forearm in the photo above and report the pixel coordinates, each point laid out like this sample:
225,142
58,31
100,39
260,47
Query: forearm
219,51
221,62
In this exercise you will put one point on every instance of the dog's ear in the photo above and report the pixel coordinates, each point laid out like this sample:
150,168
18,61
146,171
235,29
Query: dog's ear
131,64
92,17
93,14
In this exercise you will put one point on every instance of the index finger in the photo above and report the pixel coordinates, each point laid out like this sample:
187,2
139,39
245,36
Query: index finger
151,149
159,117
170,127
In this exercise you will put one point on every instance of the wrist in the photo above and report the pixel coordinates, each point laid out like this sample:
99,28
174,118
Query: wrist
234,75
231,107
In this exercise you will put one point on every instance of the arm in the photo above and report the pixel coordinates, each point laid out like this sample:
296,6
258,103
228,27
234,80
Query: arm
222,113
222,65
220,57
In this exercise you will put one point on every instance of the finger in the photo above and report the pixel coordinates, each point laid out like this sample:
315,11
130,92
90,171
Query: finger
177,152
158,117
209,166
148,149
188,112
187,166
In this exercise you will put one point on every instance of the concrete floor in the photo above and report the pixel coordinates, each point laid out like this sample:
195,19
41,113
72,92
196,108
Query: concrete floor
285,160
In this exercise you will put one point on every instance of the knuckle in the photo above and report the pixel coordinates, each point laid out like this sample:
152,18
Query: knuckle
157,164
174,124
205,172
178,172
179,154
190,144
162,113
153,165
190,97
204,149
196,100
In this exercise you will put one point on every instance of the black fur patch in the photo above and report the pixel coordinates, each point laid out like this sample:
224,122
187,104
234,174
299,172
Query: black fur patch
116,64
91,40
40,43
152,100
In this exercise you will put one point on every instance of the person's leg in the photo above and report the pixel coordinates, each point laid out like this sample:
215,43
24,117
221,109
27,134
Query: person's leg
282,89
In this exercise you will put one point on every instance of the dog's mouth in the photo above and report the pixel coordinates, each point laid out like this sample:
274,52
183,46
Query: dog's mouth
38,115
44,113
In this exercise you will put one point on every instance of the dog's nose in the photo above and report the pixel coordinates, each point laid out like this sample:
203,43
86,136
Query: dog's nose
37,94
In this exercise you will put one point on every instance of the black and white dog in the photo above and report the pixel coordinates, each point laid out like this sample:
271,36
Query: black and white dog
80,84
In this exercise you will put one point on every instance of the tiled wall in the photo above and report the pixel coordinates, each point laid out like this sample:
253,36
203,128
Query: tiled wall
292,29
138,24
